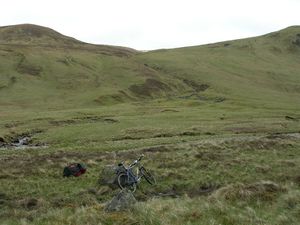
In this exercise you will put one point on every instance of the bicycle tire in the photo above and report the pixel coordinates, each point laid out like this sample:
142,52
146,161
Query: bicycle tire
122,183
148,176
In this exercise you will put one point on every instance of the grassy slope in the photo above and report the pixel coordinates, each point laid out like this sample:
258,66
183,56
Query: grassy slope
263,69
69,93
258,71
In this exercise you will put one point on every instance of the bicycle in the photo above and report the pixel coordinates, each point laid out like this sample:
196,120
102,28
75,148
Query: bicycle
129,179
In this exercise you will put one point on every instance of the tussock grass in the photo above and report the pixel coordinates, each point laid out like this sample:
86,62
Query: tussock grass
263,190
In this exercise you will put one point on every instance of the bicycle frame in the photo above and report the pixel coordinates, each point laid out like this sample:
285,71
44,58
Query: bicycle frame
132,177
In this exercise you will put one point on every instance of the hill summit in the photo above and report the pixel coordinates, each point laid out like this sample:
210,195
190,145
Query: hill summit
33,34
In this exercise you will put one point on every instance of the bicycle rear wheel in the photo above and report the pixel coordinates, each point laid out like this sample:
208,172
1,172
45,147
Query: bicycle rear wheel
148,176
123,182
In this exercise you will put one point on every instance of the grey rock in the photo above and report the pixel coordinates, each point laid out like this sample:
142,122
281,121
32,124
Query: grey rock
123,201
108,176
22,141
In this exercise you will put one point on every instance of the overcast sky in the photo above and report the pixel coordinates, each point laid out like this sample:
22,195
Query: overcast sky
154,24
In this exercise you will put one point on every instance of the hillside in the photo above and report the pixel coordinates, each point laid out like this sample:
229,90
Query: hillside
39,66
264,68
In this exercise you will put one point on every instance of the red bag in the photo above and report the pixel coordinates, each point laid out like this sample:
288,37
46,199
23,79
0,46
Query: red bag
75,169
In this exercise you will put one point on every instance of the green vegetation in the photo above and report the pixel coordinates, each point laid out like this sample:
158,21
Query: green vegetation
219,125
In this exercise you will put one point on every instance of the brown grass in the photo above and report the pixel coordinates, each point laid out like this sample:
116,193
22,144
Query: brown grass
263,190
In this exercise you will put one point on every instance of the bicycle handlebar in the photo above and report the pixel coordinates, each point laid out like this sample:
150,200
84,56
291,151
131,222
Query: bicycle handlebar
136,161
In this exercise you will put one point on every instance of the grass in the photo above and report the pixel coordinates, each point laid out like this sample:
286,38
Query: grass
216,168
218,124
252,179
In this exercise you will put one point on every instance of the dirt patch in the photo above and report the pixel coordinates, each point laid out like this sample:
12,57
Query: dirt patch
30,203
139,137
194,85
147,71
160,148
168,193
29,69
69,60
127,137
162,135
85,119
246,130
197,96
291,118
24,67
89,118
109,120
62,122
119,97
159,135
154,67
13,124
278,136
189,133
169,110
219,99
150,88
205,189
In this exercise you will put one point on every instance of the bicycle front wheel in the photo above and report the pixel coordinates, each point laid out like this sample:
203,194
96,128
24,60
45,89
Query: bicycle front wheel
148,176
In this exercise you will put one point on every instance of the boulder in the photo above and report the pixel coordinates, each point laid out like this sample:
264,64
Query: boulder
123,201
21,141
24,141
108,176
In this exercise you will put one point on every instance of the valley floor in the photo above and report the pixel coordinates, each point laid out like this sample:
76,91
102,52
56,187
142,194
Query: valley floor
215,163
